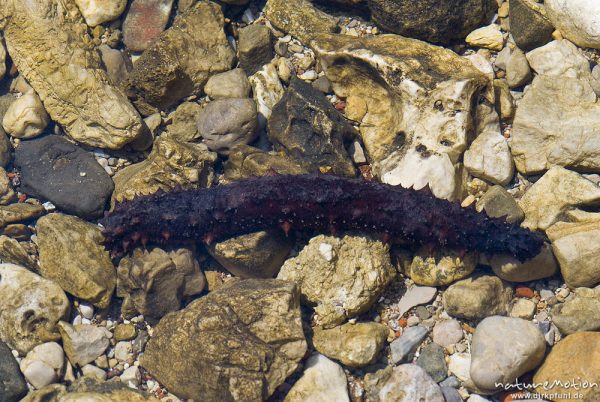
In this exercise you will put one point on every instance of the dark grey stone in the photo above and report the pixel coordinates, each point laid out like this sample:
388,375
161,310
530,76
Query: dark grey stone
529,28
255,48
451,395
498,203
432,360
57,170
451,382
12,384
322,84
404,347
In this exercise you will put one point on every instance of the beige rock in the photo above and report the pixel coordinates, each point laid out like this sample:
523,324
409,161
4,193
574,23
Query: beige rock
406,382
7,195
12,252
417,122
171,163
579,312
505,104
440,266
555,193
477,297
19,212
65,70
267,91
43,365
299,18
498,203
560,58
5,148
322,380
246,161
354,345
488,37
242,340
26,117
183,123
30,308
523,308
71,254
2,59
230,84
154,283
510,269
89,390
83,343
343,277
97,12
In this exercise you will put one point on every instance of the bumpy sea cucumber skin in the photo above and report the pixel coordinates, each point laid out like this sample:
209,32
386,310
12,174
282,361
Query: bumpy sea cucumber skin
318,202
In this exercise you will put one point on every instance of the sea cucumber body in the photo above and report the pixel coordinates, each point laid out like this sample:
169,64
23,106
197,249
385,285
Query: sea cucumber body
318,202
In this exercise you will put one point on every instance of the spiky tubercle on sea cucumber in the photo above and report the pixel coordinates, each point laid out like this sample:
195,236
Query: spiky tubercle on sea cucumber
314,201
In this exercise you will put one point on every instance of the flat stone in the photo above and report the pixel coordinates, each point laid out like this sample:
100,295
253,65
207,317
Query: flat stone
54,169
432,360
20,212
529,24
230,84
243,340
440,266
83,343
477,297
498,203
12,384
322,380
447,332
98,12
406,382
578,313
299,18
414,296
144,22
254,47
403,348
246,161
543,265
487,37
577,21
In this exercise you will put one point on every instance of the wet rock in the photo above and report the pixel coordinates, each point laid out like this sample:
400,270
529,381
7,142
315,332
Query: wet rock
487,37
246,161
518,72
26,117
170,164
342,277
83,343
299,18
86,388
403,348
505,104
406,382
322,380
354,345
243,340
72,255
431,20
306,127
432,360
267,91
55,169
5,149
30,308
510,269
255,255
255,48
402,151
66,71
529,24
523,308
498,203
577,21
578,313
503,349
183,127
181,60
154,282
447,332
415,296
576,356
116,66
19,212
43,365
477,297
98,12
230,84
224,123
12,384
144,22
440,267
12,251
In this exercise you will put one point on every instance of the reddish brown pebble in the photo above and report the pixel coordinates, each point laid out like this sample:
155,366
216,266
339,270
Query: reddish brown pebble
523,291
402,322
145,21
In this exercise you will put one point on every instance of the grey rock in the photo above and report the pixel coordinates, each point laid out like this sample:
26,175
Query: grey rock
184,120
115,62
447,332
559,58
498,203
518,72
477,297
451,394
83,343
54,169
414,296
5,148
230,84
529,24
406,382
322,380
322,84
578,313
450,382
255,48
224,123
432,360
12,384
404,347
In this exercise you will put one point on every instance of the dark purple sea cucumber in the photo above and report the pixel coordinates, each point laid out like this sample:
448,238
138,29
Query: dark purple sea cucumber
313,201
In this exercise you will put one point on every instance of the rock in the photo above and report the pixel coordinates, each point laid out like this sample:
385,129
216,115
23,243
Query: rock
498,203
529,25
523,308
556,124
2,60
299,18
131,376
577,21
322,380
505,104
125,332
510,269
170,164
323,85
518,72
54,169
12,384
89,370
576,356
116,66
13,252
124,352
306,127
66,72
477,297
255,255
267,91
246,161
181,60
558,191
19,212
415,296
403,152
5,149
155,282
83,343
503,349
224,123
578,313
183,125
343,277
43,365
254,47
30,308
90,389
72,255
354,345
144,22
230,84
403,348
432,360
242,339
487,37
406,382
98,12
451,394
489,156
440,266
559,58
447,332
26,117
459,365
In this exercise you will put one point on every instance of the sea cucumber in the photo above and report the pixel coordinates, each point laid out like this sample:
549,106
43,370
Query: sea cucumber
312,201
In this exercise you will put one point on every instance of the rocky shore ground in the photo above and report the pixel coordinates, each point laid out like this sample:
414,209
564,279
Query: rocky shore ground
489,103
